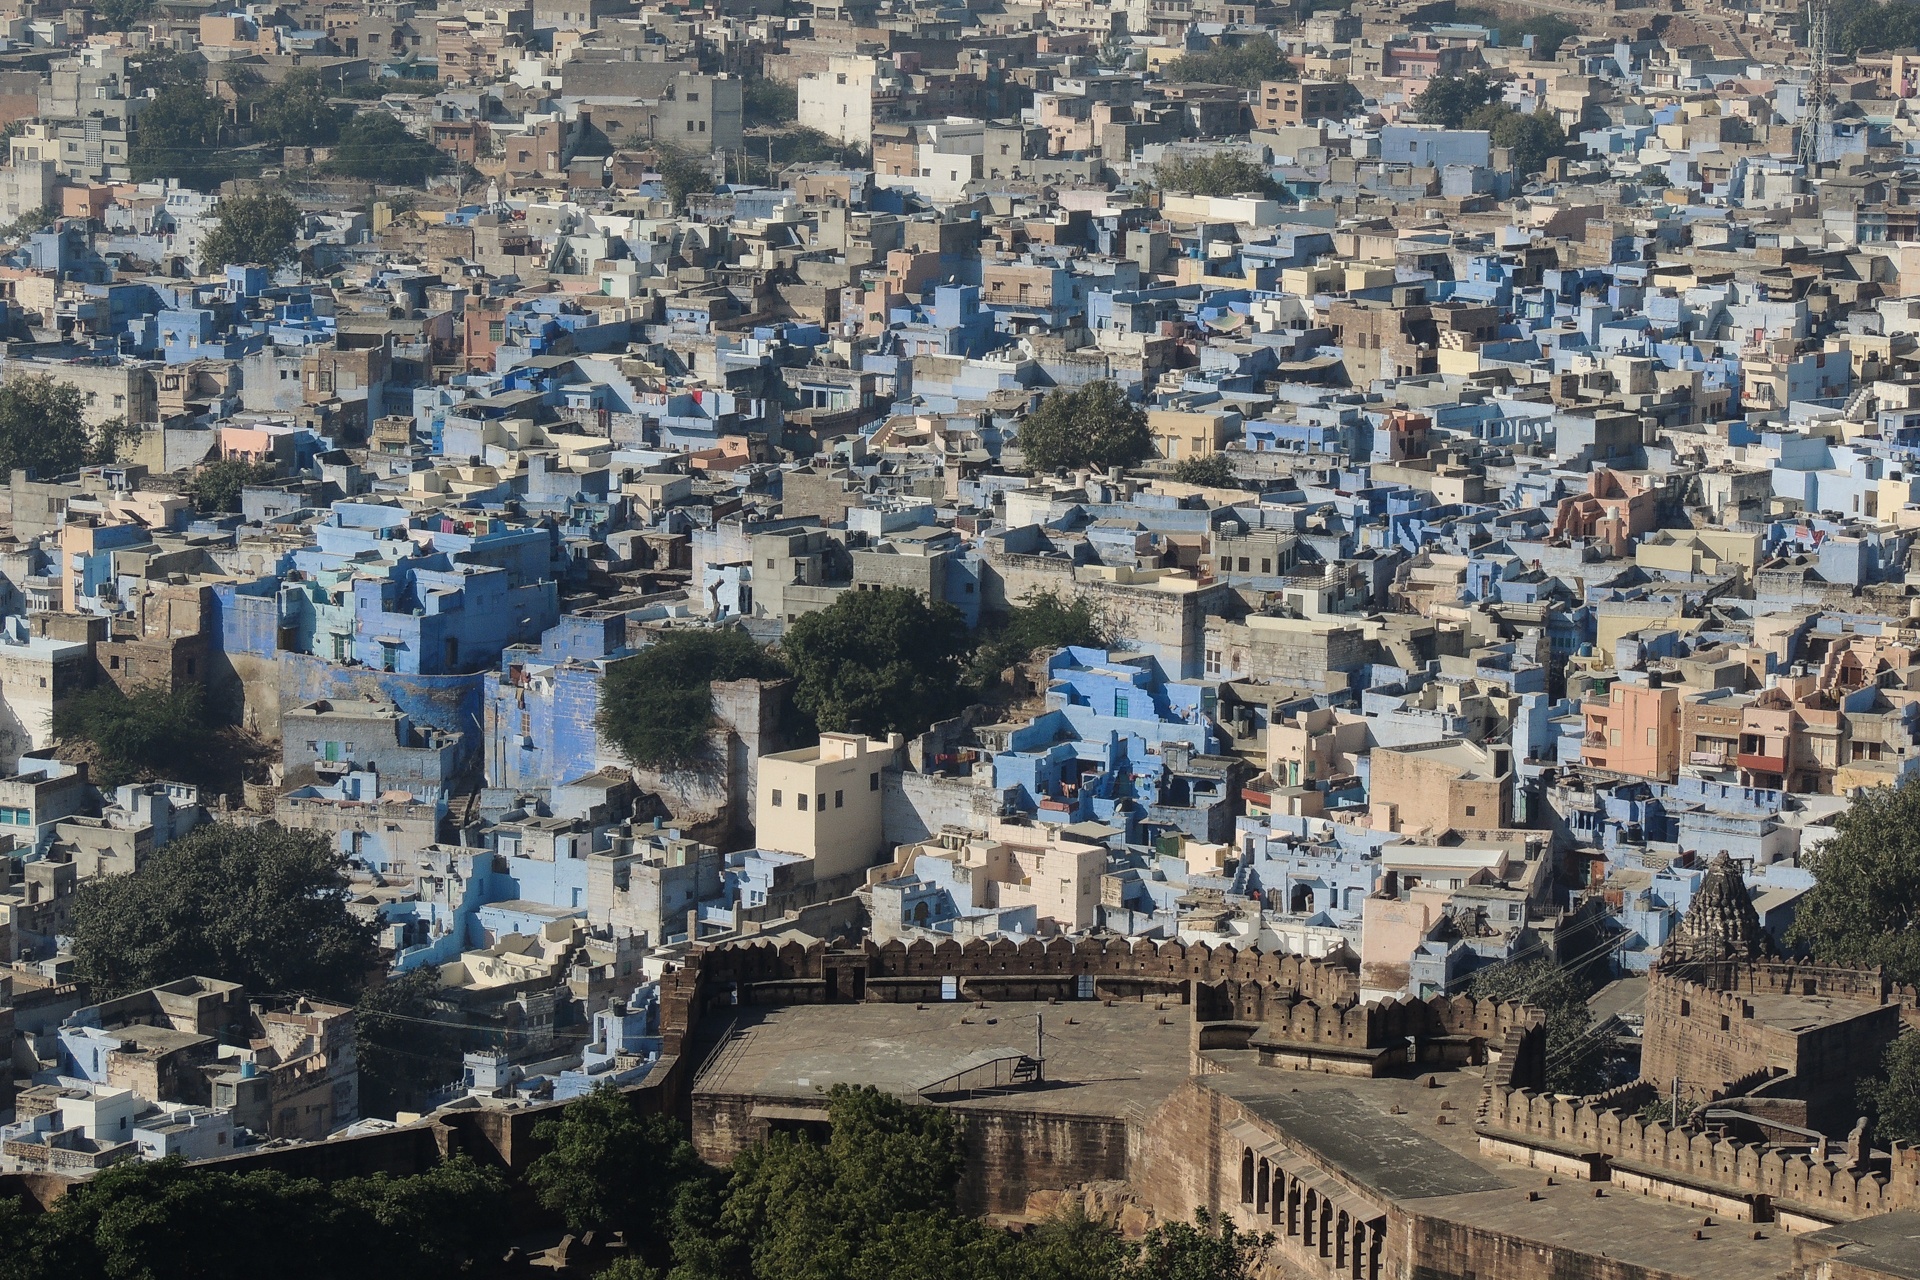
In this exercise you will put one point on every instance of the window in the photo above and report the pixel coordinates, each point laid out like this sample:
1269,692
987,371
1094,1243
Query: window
839,799
801,800
689,126
873,781
820,801
776,799
1470,811
1121,707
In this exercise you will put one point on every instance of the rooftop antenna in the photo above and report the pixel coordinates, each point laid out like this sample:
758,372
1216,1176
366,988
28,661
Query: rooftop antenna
1814,118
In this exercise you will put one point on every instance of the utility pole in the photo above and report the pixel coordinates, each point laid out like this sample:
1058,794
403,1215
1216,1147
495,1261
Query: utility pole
1813,116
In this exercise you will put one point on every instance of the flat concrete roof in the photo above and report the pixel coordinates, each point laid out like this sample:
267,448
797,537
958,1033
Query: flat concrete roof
1106,1058
1889,1244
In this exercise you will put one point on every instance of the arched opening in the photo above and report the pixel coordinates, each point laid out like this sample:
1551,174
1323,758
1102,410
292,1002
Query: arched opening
1261,1181
1301,903
1340,1230
1246,1176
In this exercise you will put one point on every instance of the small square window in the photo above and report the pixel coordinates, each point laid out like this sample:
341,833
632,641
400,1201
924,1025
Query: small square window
801,800
776,799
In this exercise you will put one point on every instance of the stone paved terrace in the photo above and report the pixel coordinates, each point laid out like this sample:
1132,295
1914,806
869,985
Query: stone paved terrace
1107,1059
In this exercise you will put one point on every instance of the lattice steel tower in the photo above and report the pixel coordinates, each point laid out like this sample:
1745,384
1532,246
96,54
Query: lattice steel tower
1813,118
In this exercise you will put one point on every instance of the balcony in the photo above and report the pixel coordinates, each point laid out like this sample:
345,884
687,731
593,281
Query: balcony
1755,763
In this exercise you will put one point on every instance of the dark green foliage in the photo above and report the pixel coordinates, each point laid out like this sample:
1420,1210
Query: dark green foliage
260,228
1577,1060
119,15
1220,174
179,135
297,112
657,706
1215,471
1869,24
1533,140
166,1221
375,147
147,734
1864,907
405,1049
609,1167
877,662
33,220
1042,622
1448,100
681,174
1095,426
161,70
766,102
1244,65
41,427
1207,1248
1892,1097
259,906
215,488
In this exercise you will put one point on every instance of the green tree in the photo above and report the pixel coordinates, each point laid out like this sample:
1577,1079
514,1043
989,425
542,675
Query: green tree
1448,100
434,1225
1864,907
1532,140
1892,1097
610,1167
878,662
139,735
681,174
1214,471
297,112
1576,1058
120,15
259,906
375,147
1042,622
179,135
42,428
216,487
1220,173
1873,24
260,228
657,706
109,438
28,223
767,102
406,1048
1095,426
1207,1248
1244,65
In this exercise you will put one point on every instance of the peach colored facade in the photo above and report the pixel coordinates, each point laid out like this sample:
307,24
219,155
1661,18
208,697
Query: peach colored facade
1634,729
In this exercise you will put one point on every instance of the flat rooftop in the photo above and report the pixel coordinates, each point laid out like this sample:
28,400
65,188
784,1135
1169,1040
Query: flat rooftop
1100,1059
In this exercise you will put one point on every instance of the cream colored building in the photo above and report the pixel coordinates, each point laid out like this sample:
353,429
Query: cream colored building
824,802
34,674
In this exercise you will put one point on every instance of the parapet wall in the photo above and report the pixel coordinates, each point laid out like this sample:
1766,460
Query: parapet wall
793,972
1607,1127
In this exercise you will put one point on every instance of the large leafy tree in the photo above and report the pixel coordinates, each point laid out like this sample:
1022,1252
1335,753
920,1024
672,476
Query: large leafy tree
297,112
41,427
1576,1058
1864,907
610,1167
1094,426
657,706
1532,140
1207,1248
154,731
216,487
878,662
122,14
1214,471
1042,622
260,906
169,1221
1245,64
406,1047
1448,100
1220,174
377,148
260,228
1893,1095
179,135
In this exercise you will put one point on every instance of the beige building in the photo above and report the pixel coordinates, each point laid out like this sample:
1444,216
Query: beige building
824,802
1443,786
35,673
